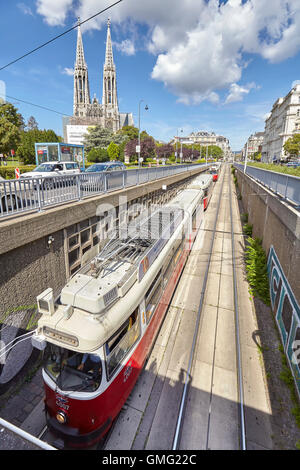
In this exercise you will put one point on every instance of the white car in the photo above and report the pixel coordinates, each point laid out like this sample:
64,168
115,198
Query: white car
52,169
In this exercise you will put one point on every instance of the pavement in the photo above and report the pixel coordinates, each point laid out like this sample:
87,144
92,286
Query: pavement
18,408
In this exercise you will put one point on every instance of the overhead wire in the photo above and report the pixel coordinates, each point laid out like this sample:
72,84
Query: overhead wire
59,35
45,44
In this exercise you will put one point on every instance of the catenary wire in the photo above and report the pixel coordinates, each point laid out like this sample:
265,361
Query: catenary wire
58,36
36,105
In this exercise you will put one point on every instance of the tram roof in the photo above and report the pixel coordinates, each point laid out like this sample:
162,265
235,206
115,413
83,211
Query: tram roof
89,310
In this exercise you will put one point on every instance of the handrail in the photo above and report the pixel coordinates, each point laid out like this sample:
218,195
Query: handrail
286,186
22,195
25,435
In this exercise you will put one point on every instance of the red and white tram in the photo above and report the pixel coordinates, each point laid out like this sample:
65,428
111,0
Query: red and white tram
205,183
98,334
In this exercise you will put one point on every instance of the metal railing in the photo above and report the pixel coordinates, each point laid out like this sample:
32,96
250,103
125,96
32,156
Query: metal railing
286,186
35,194
25,436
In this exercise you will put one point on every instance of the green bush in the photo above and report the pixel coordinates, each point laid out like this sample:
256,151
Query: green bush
247,229
256,268
98,155
9,172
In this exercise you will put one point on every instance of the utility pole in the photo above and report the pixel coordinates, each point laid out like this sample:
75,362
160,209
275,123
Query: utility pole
246,158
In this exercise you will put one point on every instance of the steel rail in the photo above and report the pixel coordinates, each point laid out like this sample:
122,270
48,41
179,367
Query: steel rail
192,353
237,330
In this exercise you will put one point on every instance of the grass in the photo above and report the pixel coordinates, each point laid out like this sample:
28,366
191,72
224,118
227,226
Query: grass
277,168
256,269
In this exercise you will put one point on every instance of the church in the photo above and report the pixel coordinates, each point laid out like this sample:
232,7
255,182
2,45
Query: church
89,112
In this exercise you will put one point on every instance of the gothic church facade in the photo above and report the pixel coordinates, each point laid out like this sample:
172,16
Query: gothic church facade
87,111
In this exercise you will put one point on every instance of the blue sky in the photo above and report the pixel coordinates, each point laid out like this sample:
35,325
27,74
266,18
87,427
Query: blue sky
200,65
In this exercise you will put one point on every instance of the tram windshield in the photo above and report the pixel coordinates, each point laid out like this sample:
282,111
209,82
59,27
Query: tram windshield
73,371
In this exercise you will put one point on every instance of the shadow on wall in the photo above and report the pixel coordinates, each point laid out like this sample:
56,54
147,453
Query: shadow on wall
17,355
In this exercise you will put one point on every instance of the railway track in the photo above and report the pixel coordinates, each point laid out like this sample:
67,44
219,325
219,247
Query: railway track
225,198
194,428
188,403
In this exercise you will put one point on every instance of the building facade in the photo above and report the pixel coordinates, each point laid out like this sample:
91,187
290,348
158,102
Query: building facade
205,139
253,145
282,123
90,112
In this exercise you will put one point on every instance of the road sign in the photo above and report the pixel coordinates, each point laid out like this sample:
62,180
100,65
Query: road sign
12,152
17,173
138,148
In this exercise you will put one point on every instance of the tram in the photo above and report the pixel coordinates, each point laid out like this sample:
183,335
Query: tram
204,182
97,335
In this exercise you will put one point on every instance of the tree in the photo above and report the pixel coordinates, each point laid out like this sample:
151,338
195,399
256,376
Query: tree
292,146
129,131
32,124
11,124
113,151
98,155
97,136
26,148
130,149
164,151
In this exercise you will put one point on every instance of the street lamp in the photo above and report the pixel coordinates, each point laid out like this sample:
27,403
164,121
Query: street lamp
181,147
138,149
246,158
176,147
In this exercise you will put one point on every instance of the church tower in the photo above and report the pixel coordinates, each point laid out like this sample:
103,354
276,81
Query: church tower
81,80
109,97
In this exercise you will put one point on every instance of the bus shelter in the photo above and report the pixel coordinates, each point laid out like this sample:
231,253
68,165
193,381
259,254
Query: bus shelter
58,151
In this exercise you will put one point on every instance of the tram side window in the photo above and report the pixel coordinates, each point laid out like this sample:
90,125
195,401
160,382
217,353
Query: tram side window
194,220
153,295
121,342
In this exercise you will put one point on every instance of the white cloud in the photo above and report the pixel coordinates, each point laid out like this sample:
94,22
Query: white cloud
200,44
237,92
25,9
54,11
127,47
68,71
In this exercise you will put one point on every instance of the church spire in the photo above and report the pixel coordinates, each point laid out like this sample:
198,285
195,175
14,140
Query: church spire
109,97
79,51
81,80
109,59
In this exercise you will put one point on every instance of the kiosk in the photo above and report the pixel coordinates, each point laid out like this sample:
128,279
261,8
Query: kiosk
58,151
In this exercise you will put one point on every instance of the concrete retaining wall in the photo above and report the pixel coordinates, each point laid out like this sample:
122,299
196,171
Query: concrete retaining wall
277,224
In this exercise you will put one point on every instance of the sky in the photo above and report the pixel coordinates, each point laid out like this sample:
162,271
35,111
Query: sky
204,65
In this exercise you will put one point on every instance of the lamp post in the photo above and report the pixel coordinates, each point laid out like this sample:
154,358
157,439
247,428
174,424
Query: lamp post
181,147
176,147
138,149
246,157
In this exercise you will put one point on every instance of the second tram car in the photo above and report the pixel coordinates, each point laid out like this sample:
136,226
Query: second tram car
98,334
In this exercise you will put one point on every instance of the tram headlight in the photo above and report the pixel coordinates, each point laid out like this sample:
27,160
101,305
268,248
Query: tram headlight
61,417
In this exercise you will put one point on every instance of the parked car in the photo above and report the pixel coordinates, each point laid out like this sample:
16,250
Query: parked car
106,166
95,180
50,170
